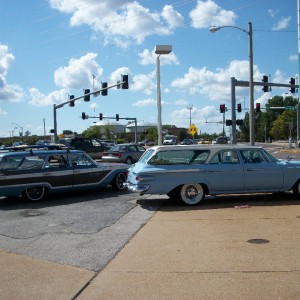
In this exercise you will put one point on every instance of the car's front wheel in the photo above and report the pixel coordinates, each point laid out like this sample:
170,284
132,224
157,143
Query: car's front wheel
35,193
119,182
192,194
296,189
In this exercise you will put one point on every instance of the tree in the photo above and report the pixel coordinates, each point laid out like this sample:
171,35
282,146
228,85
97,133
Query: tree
92,132
182,135
281,126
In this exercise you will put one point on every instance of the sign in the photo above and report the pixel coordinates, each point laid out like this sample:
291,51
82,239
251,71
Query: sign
193,129
290,108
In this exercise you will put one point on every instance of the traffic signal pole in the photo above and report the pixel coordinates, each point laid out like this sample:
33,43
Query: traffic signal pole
120,84
119,118
241,83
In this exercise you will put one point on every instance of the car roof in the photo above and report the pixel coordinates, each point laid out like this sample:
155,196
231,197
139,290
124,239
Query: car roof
38,152
209,147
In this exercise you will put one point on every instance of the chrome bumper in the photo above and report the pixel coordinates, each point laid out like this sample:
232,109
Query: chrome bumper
137,188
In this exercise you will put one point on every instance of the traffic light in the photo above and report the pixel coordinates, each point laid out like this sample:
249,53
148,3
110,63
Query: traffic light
239,107
117,117
292,89
87,98
100,116
104,89
239,122
265,87
72,103
228,122
257,107
222,108
83,116
125,84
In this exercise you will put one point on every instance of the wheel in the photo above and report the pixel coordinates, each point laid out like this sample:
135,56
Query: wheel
191,194
35,193
128,160
119,182
296,189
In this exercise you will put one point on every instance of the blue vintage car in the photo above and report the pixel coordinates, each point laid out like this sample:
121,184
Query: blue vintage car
191,172
36,173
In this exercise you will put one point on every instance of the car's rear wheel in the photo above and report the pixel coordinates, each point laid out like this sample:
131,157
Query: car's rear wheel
296,189
35,193
191,194
128,160
119,182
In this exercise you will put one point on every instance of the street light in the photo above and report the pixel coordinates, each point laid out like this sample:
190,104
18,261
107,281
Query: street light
251,85
159,50
20,128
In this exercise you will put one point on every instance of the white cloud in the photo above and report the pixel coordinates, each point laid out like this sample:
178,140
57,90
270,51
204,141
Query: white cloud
11,92
55,97
144,83
79,72
215,85
116,75
3,112
145,102
117,20
283,23
272,12
208,13
181,102
173,18
293,57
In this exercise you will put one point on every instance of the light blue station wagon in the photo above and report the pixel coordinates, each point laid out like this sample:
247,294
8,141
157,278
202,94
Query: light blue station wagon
191,172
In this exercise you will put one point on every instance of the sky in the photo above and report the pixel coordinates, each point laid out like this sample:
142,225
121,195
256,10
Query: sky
51,49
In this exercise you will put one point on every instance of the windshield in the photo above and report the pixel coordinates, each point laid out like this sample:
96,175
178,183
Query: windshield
271,157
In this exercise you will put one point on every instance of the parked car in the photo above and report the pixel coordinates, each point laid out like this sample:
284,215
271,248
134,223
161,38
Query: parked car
33,174
221,140
125,153
187,142
43,142
109,143
93,147
146,143
191,172
204,141
170,140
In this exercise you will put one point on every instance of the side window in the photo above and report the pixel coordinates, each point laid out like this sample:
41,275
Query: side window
10,163
225,157
80,159
132,149
57,161
252,156
176,157
32,162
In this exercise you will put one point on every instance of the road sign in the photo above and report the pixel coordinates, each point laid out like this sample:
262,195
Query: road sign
290,108
193,129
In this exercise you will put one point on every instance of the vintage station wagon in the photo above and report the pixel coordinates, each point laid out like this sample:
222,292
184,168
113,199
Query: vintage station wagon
35,173
191,172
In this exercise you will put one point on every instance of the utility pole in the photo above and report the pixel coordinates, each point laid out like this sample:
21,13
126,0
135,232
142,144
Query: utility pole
190,107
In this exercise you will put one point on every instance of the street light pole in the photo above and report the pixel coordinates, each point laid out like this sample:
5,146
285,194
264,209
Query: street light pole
251,85
190,107
159,50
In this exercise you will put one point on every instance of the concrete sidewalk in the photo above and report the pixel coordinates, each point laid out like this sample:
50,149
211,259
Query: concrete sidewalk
212,251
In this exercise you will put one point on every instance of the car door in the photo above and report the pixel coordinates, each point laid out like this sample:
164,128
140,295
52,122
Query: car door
86,171
58,172
260,173
225,173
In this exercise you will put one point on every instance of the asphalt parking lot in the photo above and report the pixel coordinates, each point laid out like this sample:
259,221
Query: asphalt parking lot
80,229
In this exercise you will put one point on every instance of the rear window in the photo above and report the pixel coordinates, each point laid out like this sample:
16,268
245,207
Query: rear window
176,157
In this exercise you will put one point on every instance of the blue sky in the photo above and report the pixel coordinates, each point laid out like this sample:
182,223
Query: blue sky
50,49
